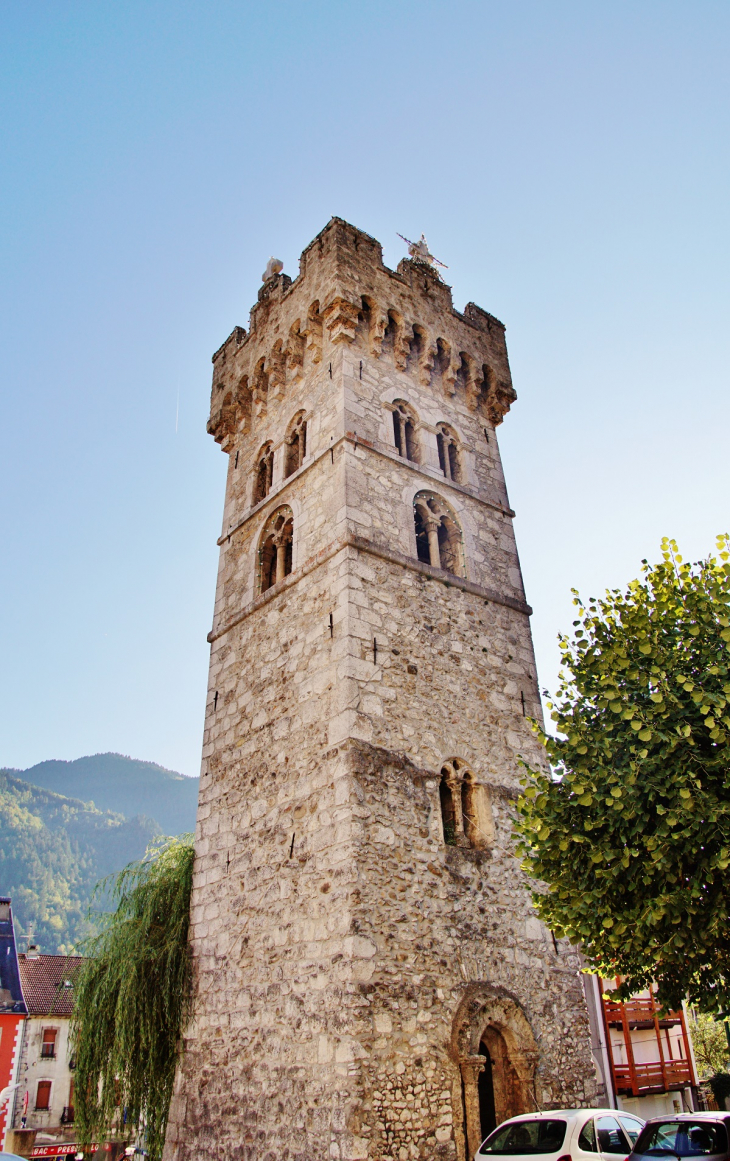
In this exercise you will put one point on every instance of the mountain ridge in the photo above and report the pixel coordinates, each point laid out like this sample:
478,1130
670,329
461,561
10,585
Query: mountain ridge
127,786
65,825
53,852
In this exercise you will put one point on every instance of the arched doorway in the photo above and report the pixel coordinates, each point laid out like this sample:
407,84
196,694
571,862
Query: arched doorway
487,1112
503,1087
497,1056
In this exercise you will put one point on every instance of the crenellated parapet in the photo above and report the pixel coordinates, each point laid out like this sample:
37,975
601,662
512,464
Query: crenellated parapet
344,294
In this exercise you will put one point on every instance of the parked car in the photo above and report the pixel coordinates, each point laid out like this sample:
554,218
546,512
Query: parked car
684,1135
564,1135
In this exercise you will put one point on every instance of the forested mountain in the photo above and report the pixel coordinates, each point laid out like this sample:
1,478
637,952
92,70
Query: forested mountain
66,825
53,851
125,785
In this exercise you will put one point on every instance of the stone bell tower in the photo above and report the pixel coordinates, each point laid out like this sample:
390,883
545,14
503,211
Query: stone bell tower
370,978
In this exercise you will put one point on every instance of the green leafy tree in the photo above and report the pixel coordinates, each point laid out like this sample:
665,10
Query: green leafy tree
132,999
709,1041
628,834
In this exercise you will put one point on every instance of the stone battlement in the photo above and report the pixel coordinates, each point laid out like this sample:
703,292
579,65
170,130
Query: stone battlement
344,294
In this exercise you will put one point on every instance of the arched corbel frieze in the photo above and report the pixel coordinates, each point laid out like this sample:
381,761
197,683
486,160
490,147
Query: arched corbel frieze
340,317
378,323
294,351
230,413
260,389
399,337
277,370
451,372
499,397
313,333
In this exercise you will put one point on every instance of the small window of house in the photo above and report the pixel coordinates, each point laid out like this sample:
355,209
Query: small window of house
43,1095
48,1044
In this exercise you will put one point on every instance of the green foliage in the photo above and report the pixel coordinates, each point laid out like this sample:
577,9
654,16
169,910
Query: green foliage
631,829
709,1041
53,850
720,1085
132,998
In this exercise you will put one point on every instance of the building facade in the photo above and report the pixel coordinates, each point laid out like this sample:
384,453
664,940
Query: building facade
45,1101
12,1018
371,980
644,1056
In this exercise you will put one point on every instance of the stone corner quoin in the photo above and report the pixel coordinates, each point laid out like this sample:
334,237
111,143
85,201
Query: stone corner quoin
370,978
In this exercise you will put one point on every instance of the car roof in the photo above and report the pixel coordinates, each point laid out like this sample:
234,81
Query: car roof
571,1113
703,1116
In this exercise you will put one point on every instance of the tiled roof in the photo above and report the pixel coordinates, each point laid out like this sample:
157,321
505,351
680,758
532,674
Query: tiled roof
46,980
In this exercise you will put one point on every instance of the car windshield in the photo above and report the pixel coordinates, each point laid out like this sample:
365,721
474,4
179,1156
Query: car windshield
682,1139
525,1137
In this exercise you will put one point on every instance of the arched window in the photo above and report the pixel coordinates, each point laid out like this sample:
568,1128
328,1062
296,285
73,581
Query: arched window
466,815
264,472
296,445
404,431
449,453
438,535
275,552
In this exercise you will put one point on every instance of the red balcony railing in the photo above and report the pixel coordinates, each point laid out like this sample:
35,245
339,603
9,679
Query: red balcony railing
656,1076
660,1075
638,1011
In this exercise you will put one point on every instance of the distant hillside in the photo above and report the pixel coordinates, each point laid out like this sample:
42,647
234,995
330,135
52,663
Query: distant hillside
53,851
124,785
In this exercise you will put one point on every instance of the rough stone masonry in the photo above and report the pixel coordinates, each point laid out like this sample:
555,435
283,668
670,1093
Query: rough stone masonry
370,978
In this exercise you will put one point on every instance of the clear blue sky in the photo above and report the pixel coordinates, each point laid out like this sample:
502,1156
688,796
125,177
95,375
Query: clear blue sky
568,160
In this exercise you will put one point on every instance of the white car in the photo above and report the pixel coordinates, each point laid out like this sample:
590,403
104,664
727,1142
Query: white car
564,1135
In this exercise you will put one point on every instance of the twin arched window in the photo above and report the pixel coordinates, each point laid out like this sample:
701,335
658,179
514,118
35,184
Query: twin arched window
438,535
295,449
438,540
405,437
463,812
276,546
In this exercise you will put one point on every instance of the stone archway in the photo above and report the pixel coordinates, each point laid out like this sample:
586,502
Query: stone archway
491,1031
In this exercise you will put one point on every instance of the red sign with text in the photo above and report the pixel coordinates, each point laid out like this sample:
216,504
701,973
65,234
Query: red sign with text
60,1150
